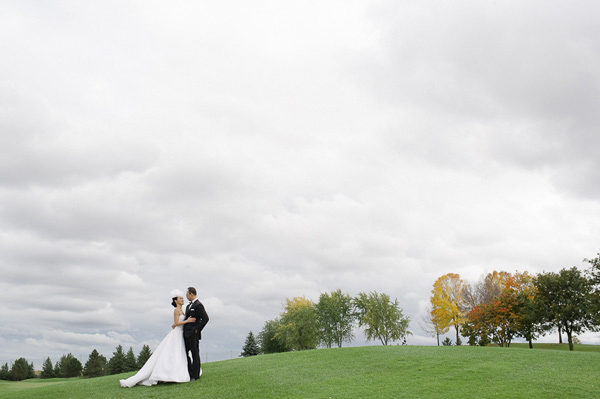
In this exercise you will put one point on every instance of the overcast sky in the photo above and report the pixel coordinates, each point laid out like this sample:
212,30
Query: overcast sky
266,150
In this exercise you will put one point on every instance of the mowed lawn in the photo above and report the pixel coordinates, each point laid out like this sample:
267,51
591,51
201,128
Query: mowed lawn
364,372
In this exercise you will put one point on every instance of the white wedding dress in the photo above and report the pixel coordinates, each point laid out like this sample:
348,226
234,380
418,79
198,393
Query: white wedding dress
168,363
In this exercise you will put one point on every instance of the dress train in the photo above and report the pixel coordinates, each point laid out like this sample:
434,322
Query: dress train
168,363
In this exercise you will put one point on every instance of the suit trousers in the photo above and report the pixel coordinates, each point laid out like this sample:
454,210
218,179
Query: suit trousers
192,344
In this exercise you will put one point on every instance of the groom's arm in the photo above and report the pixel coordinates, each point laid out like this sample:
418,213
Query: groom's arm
202,317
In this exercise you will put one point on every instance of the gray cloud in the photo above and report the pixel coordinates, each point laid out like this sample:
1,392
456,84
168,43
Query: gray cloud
46,150
263,152
516,81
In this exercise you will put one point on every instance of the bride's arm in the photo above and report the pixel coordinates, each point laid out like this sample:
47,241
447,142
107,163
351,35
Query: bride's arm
176,321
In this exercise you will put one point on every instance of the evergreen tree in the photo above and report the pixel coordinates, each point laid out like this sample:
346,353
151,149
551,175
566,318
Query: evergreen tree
31,371
70,366
57,368
250,347
95,366
116,364
143,356
130,361
21,370
5,372
47,369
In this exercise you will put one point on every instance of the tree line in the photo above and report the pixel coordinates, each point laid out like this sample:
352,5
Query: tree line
69,366
502,306
331,321
496,309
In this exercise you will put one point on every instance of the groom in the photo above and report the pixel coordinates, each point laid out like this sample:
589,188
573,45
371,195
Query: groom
192,332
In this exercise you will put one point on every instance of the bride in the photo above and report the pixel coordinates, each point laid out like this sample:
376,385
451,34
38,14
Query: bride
168,363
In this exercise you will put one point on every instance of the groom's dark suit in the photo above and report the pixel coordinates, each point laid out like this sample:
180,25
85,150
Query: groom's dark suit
192,334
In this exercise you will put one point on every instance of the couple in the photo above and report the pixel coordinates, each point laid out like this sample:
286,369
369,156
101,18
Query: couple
170,361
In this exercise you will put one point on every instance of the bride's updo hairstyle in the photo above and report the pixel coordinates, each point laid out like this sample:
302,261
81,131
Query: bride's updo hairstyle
174,295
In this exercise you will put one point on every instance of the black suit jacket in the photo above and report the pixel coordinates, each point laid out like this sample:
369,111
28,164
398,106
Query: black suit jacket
197,311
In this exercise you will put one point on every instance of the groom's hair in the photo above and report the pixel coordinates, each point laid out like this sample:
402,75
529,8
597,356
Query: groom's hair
192,290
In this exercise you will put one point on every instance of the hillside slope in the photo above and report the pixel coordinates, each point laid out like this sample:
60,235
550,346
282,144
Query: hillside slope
367,372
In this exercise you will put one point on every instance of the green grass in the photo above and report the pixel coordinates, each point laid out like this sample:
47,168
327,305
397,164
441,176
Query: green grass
559,347
27,384
365,372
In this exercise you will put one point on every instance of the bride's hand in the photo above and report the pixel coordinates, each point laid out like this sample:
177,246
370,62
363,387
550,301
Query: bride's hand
191,320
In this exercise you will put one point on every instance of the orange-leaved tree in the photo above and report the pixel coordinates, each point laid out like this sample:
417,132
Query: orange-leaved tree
505,315
485,290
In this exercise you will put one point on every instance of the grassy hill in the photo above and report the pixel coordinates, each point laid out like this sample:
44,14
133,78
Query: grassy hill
365,372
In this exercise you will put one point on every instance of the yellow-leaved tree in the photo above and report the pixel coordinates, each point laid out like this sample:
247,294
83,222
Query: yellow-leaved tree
298,324
447,307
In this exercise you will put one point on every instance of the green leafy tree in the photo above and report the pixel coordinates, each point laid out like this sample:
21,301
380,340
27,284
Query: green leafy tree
381,318
96,366
528,322
70,366
298,325
47,369
335,318
130,361
116,364
269,340
143,356
594,273
250,346
565,299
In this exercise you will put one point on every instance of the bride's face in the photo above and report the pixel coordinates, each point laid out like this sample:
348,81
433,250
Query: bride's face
180,300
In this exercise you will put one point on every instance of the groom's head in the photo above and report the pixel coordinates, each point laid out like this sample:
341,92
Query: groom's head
191,293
